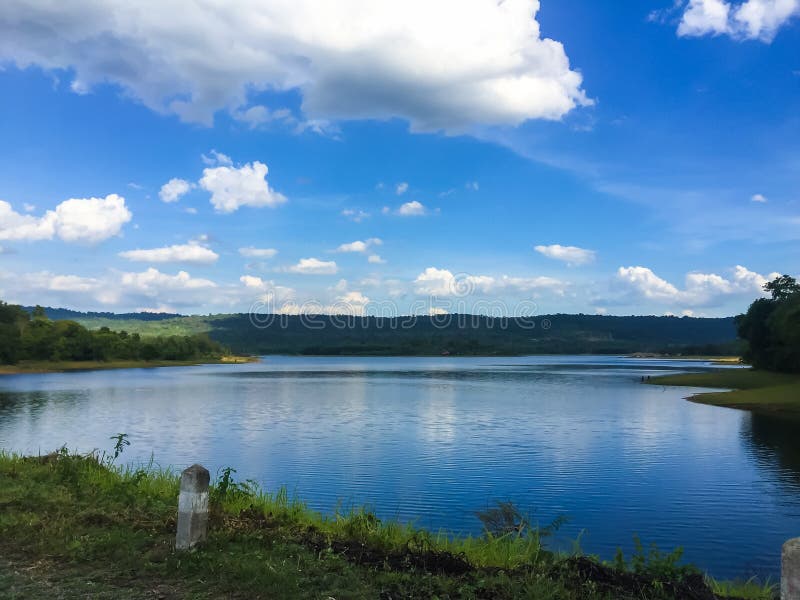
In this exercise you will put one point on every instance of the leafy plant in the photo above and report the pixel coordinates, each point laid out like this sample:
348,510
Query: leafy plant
120,442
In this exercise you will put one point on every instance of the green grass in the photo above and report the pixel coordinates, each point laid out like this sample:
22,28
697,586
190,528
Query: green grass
750,389
78,526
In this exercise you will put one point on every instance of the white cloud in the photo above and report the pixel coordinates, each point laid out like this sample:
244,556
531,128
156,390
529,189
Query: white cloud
88,220
401,188
759,198
314,266
704,17
215,159
441,282
180,253
355,215
232,188
572,255
359,246
752,19
412,209
447,65
375,259
174,189
28,207
700,289
152,281
472,185
251,252
268,291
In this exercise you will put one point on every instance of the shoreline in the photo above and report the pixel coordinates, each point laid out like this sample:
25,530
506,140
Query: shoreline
41,367
742,389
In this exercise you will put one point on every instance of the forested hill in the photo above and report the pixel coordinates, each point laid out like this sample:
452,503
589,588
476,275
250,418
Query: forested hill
449,334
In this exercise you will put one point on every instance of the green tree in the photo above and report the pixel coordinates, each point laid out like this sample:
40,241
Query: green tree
771,327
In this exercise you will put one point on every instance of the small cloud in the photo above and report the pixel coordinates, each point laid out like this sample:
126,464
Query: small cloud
29,207
759,198
215,158
412,209
190,210
314,266
401,188
375,259
135,186
572,255
174,189
472,185
355,215
359,246
251,252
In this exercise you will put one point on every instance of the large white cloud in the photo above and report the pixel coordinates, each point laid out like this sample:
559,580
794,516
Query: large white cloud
446,64
572,255
232,188
752,19
700,289
178,253
88,220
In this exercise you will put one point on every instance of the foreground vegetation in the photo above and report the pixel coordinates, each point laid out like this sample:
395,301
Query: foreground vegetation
750,389
62,366
34,337
77,526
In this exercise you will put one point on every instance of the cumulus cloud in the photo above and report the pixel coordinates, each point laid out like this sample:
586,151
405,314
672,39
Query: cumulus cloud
401,188
700,289
412,209
359,246
375,259
751,19
441,282
251,252
174,189
572,255
442,66
314,266
761,198
125,290
179,253
88,220
232,188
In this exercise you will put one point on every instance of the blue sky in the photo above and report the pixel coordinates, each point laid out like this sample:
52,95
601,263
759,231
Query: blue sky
612,158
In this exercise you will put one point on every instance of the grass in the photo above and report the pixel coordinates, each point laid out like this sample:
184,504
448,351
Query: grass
750,389
50,366
78,526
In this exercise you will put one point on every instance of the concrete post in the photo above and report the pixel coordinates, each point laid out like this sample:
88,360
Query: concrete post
192,508
790,570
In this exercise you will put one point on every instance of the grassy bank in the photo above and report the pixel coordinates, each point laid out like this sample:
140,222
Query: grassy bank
50,366
76,526
761,391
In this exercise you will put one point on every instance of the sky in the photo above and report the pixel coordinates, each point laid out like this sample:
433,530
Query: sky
383,157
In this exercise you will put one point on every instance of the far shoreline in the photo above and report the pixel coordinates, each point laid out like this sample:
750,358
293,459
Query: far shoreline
41,367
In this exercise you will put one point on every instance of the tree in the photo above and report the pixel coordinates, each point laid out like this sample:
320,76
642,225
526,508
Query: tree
782,288
771,327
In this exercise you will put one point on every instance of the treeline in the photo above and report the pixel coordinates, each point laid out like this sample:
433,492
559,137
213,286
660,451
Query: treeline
475,335
771,327
33,336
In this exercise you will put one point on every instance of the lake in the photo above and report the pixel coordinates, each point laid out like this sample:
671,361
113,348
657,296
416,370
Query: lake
432,440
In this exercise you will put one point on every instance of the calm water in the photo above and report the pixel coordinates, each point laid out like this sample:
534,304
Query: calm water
433,440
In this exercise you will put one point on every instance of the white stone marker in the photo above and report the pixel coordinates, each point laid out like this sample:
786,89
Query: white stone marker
193,508
790,570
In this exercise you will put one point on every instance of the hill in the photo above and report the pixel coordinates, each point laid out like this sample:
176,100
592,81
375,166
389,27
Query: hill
423,335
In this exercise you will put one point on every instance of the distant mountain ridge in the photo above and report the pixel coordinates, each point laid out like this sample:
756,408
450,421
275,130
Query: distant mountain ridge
63,314
438,335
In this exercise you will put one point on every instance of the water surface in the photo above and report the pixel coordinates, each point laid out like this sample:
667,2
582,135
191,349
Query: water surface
432,440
